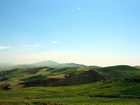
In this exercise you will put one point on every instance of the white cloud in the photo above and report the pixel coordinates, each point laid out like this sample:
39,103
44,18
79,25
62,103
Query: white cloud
79,8
4,47
32,46
55,42
36,45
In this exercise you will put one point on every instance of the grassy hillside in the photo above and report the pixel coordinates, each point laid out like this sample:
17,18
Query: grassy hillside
115,85
46,76
118,72
103,93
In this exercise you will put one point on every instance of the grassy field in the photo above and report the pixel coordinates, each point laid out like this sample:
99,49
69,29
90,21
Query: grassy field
70,101
99,93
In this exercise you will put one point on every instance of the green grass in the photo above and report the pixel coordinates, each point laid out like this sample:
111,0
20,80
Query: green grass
72,101
117,72
121,87
99,93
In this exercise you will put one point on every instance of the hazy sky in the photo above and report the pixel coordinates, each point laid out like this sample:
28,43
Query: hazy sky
97,32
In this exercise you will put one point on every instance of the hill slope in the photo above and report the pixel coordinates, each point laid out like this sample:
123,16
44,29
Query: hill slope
47,76
118,72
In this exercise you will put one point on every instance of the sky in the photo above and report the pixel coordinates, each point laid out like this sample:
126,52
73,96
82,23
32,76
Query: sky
92,32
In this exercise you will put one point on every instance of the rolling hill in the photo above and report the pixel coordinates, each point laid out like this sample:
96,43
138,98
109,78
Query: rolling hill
64,76
118,72
73,84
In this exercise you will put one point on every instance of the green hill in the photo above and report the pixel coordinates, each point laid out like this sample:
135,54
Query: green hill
118,72
62,86
47,76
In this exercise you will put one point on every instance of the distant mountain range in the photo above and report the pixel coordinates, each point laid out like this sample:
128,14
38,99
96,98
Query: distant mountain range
48,63
51,63
3,64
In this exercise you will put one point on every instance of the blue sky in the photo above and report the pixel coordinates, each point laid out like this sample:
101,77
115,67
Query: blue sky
97,32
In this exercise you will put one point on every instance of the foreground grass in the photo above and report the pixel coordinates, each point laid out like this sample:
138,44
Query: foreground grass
70,101
100,93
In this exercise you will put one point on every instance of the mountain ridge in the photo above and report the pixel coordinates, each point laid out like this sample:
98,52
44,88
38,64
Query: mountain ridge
45,76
